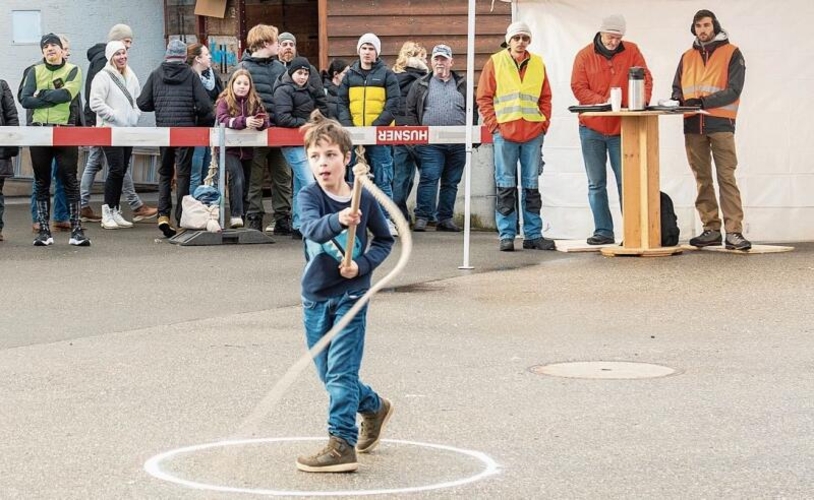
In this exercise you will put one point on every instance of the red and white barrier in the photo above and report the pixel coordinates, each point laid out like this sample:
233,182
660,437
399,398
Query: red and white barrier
199,136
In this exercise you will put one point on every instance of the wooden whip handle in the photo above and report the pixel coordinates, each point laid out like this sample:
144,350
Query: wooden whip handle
355,201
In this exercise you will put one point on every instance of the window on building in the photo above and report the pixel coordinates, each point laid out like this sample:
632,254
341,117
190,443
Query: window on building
26,27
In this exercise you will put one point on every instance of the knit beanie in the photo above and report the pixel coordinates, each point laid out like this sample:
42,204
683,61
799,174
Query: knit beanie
50,38
176,51
119,32
113,47
613,24
298,63
286,36
517,28
372,40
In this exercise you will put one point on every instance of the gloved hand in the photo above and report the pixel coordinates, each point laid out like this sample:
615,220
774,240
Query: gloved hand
694,102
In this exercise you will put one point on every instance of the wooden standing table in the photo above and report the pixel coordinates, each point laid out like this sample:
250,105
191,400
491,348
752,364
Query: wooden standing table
641,203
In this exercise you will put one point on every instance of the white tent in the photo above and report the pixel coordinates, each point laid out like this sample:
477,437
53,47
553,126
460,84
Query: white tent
776,170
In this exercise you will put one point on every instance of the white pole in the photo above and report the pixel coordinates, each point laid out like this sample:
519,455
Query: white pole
470,113
222,174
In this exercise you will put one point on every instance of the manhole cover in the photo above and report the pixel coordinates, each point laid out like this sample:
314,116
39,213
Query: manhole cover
603,369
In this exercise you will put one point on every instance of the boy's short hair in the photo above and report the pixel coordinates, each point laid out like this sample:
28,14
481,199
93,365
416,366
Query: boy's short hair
259,35
320,128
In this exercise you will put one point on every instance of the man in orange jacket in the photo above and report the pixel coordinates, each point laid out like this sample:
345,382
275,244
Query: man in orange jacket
600,66
514,98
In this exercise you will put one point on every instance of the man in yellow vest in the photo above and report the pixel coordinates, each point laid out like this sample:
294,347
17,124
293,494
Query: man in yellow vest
514,98
711,75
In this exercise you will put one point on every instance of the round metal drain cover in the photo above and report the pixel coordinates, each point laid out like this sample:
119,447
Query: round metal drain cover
604,370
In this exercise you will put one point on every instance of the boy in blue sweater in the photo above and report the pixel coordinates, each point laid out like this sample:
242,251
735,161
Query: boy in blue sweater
330,289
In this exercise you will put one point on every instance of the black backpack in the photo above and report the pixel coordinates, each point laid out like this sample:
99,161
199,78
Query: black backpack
669,222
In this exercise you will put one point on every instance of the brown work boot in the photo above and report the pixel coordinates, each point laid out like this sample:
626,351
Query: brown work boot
61,225
35,227
86,214
372,426
337,456
144,212
166,227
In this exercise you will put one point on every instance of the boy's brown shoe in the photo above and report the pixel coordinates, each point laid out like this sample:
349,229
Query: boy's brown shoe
372,426
337,456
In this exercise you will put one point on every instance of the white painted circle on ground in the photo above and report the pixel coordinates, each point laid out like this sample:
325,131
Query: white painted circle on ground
153,467
604,370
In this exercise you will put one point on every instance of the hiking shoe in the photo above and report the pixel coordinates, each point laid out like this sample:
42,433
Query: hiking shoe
372,426
337,456
78,238
144,212
235,222
448,226
282,227
255,223
736,241
708,238
43,238
61,225
420,225
86,214
598,239
165,227
507,245
539,244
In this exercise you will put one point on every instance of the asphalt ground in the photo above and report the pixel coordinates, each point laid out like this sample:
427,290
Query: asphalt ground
115,354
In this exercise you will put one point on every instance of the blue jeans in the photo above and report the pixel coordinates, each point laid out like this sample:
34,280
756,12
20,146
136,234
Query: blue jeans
301,171
338,365
596,148
60,211
404,168
201,157
439,162
529,154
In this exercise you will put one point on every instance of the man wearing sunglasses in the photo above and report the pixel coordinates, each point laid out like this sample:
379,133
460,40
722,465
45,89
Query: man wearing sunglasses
514,98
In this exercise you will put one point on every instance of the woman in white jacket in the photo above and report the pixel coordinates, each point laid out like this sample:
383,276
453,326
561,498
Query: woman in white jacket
113,94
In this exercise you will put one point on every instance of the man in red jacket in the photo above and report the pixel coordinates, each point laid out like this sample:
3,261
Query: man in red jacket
600,66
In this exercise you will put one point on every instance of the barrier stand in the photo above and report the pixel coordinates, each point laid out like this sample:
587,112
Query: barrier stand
241,236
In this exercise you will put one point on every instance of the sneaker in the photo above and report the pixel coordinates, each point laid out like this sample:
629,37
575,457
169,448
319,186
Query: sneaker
255,223
144,212
736,241
372,426
43,238
507,245
598,239
86,215
78,238
61,225
269,228
448,226
539,244
337,456
282,227
119,219
108,222
420,225
708,238
236,222
393,231
165,226
296,234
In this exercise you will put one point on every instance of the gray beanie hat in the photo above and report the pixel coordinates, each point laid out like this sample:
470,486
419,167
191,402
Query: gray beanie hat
614,24
176,51
285,35
372,40
120,32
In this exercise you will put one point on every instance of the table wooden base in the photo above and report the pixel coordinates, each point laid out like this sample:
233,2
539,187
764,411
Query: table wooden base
641,252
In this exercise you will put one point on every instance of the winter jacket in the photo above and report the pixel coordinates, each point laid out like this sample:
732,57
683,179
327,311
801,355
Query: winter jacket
702,124
109,103
317,90
8,118
292,104
96,57
332,96
370,99
238,122
265,72
177,96
406,81
593,75
517,130
418,96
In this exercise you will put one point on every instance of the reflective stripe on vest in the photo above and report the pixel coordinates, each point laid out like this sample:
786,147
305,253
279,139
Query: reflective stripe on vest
515,99
699,79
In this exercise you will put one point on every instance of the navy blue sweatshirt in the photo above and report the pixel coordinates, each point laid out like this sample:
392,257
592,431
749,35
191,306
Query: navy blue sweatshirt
325,240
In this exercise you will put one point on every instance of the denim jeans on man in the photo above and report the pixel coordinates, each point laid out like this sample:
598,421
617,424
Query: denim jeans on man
596,148
444,162
338,365
60,209
507,154
201,158
405,165
95,163
301,172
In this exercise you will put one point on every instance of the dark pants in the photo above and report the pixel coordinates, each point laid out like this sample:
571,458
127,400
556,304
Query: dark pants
270,159
118,159
66,158
2,201
238,173
170,158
